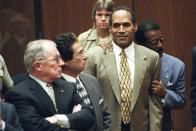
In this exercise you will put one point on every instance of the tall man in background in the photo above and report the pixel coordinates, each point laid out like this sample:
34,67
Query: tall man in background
171,87
125,73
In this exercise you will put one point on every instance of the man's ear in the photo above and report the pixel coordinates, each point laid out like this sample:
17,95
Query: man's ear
37,65
135,29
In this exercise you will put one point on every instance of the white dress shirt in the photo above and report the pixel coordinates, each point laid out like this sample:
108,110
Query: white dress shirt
130,54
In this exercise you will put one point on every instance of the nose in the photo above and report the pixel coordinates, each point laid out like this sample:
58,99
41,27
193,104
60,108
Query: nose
121,30
159,44
103,17
61,62
85,56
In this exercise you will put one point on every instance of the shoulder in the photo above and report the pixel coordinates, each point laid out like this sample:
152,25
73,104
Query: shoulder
87,76
171,60
96,51
194,51
83,36
145,51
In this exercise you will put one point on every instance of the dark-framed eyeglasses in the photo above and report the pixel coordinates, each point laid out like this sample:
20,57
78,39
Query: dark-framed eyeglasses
57,59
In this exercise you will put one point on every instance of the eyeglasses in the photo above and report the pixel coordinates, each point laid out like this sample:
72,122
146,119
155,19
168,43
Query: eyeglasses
81,53
57,59
155,42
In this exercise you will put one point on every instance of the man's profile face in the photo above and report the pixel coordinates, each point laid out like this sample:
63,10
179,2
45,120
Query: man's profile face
122,28
102,19
51,68
78,63
155,40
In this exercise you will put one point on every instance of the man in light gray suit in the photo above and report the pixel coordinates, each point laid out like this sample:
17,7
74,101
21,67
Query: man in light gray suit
87,86
145,109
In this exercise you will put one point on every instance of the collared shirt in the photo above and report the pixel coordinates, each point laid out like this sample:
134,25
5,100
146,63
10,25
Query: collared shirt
63,120
130,54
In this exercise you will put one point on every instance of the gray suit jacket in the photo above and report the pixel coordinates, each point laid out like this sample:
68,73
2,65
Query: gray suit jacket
146,109
103,117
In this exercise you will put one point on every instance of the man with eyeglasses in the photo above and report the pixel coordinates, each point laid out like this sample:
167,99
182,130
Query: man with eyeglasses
87,86
171,87
43,101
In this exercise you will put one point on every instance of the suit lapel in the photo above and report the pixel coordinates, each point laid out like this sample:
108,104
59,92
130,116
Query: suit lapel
140,69
165,71
109,62
42,95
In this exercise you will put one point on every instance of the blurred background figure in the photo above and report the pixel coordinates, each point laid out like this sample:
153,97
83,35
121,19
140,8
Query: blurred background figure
99,33
193,89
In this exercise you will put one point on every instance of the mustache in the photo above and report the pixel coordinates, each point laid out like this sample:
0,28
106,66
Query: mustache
160,50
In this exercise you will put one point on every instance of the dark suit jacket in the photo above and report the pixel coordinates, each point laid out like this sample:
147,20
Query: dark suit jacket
33,105
193,88
10,117
103,117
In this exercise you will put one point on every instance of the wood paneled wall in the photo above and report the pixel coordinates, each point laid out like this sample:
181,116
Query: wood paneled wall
17,28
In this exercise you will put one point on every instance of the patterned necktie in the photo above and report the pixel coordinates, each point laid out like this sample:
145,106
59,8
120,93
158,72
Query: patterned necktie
82,93
51,94
126,89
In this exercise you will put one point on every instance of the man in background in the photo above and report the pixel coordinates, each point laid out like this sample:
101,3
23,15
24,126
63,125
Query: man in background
99,34
171,87
87,86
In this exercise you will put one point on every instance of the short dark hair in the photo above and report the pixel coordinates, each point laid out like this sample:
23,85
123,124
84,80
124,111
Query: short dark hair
133,18
102,4
64,44
140,37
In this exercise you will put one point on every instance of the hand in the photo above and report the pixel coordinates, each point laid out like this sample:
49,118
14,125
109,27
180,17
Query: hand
1,123
158,88
194,128
52,119
77,108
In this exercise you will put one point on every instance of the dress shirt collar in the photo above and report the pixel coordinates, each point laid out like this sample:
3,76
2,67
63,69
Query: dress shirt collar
129,50
69,78
42,83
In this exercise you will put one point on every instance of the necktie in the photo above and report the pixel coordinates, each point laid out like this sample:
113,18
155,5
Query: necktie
51,94
126,90
82,92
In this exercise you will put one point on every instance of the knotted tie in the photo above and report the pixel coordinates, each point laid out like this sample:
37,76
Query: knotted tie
51,94
82,93
126,89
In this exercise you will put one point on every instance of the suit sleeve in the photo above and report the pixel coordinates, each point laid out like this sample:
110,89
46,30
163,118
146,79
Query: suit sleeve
7,81
155,105
175,98
29,115
11,121
105,112
193,88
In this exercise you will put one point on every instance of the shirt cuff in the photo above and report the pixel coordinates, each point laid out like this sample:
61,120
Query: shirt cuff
164,99
63,121
3,126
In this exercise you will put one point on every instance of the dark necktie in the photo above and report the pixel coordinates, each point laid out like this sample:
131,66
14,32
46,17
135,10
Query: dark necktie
82,93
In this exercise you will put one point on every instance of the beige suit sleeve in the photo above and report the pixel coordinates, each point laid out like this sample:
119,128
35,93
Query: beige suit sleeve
4,75
155,105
